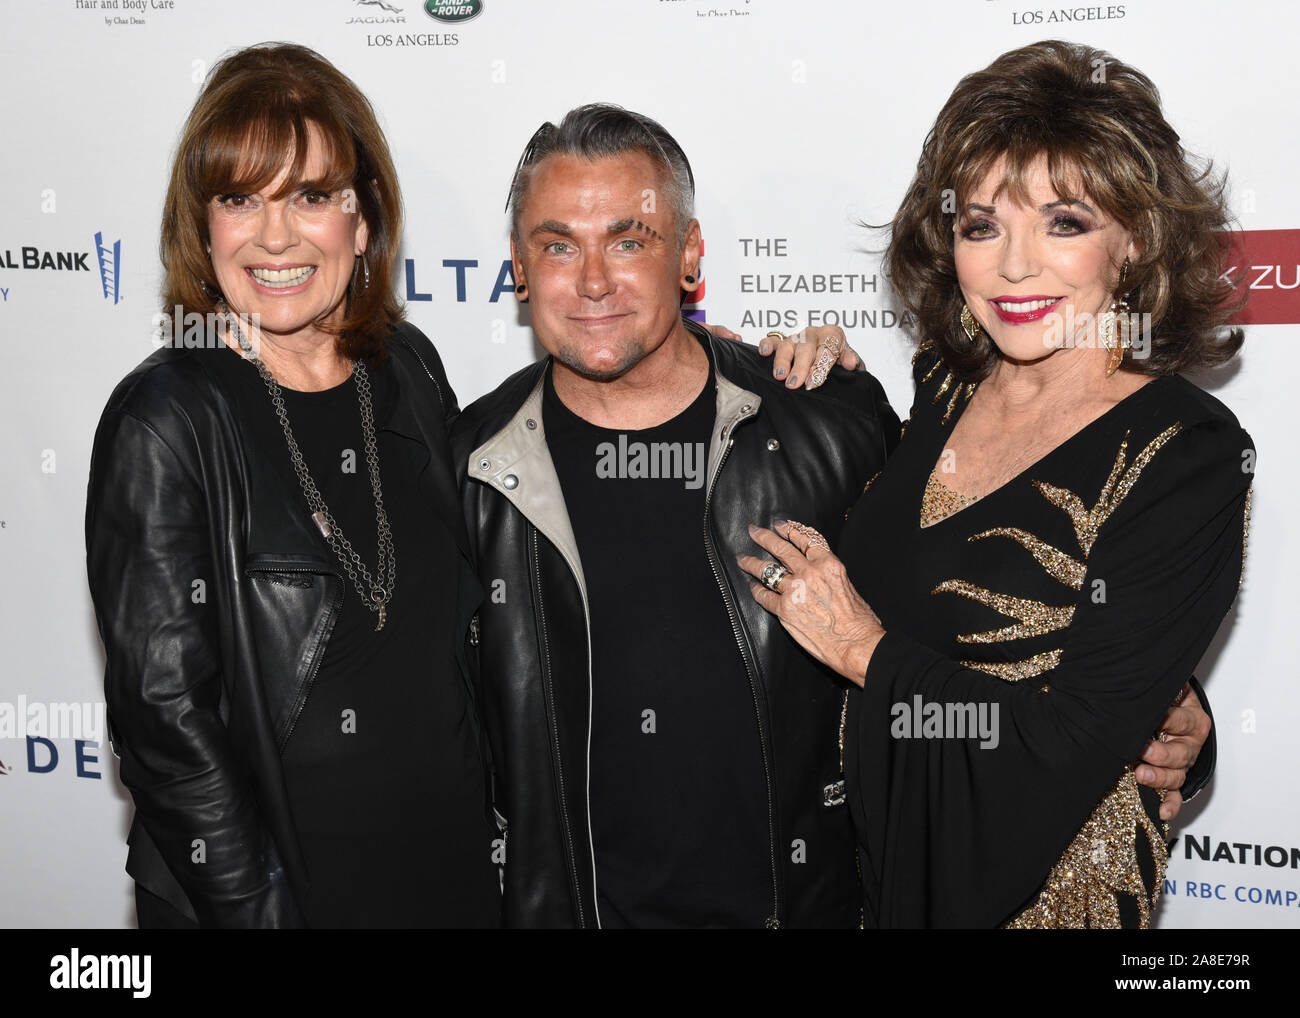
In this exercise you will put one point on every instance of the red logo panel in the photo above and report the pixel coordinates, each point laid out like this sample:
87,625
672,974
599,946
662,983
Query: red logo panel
1267,265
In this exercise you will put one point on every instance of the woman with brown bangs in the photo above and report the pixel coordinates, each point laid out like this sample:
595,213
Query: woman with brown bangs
294,714
1019,597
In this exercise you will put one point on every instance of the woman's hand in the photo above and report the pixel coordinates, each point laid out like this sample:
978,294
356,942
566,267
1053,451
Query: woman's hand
815,601
807,356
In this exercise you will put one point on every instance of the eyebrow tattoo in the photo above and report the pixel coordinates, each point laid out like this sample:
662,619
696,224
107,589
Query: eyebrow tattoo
624,225
646,229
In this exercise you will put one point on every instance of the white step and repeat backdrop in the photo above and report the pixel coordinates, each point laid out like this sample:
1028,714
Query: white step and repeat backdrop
800,119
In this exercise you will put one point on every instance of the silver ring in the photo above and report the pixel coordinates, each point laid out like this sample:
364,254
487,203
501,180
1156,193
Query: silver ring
772,575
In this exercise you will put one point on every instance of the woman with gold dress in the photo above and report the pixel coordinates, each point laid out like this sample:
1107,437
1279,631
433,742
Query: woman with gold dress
1021,594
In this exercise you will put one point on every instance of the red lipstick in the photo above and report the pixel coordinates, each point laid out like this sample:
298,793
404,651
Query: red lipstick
1024,317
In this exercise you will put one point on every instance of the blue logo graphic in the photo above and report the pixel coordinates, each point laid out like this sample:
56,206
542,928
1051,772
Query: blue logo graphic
110,261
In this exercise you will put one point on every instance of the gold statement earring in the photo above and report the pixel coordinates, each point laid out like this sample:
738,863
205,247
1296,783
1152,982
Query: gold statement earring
1116,326
969,325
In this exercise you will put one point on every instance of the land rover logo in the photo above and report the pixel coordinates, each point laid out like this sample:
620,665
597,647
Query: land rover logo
453,10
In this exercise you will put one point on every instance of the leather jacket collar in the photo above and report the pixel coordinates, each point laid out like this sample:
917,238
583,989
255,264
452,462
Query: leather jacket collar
517,462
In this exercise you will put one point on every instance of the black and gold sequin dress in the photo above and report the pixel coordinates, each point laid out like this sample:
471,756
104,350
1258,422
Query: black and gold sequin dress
1034,639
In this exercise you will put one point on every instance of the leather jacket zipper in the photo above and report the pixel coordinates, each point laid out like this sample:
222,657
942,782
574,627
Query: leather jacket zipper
332,610
536,574
774,920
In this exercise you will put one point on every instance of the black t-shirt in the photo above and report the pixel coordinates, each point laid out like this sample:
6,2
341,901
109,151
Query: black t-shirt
678,801
382,767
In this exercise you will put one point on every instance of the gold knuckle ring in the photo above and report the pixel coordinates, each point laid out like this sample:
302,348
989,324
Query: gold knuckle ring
815,539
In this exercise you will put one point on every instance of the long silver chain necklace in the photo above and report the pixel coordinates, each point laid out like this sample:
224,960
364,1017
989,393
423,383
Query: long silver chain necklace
380,587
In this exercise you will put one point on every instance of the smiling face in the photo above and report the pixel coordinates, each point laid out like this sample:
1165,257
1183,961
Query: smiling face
1036,275
288,260
599,257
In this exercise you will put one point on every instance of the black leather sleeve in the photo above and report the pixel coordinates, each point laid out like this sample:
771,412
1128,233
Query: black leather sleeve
1199,774
158,600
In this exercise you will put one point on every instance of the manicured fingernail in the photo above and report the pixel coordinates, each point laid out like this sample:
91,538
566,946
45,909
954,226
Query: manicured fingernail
779,372
793,383
1144,774
765,348
777,524
752,530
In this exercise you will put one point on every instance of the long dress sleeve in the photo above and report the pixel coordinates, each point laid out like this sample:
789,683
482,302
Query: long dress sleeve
963,833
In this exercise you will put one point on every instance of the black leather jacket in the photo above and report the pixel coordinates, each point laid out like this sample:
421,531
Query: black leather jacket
215,599
804,456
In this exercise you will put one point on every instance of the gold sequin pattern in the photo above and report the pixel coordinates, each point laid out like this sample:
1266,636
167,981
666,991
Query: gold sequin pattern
959,391
1082,890
938,501
1245,533
1060,566
1035,617
1120,482
844,727
1014,671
